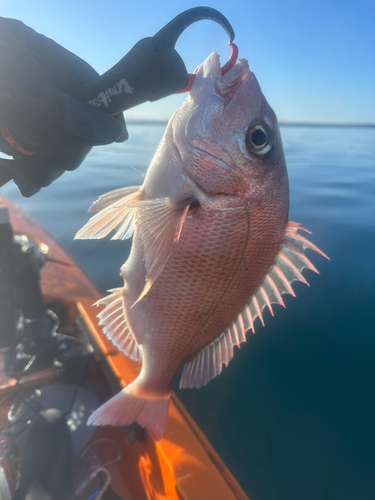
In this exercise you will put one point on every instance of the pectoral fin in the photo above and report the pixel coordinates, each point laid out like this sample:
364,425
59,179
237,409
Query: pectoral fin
112,210
160,224
111,197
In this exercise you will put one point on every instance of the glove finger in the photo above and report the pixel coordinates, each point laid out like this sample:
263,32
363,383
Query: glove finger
31,174
8,172
91,125
26,188
70,156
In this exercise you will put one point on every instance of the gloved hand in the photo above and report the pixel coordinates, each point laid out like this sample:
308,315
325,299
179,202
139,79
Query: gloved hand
36,76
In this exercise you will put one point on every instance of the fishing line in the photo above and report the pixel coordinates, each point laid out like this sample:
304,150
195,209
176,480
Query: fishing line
104,440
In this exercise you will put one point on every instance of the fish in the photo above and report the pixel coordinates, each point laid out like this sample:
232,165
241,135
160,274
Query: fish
212,244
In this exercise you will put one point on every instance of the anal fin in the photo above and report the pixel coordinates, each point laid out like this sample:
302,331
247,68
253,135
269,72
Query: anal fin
287,267
115,326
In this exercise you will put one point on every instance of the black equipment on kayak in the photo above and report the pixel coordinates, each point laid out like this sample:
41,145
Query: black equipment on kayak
45,459
151,70
20,262
28,325
7,299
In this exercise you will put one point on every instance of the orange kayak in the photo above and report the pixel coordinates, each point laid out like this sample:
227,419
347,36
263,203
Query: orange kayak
182,465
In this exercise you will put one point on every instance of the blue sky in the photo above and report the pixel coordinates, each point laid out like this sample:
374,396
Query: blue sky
315,60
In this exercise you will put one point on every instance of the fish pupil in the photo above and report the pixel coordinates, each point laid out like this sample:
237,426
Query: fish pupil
258,137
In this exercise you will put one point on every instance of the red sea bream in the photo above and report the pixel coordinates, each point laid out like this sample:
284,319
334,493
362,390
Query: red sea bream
212,244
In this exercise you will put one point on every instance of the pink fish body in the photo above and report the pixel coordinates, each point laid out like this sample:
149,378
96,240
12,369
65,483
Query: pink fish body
212,245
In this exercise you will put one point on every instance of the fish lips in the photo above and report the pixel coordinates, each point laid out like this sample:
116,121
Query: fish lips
208,78
228,85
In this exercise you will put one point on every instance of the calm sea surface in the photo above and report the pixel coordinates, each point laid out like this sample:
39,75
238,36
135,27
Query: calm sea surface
293,415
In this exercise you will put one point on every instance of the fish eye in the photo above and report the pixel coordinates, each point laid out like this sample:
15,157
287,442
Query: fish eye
259,139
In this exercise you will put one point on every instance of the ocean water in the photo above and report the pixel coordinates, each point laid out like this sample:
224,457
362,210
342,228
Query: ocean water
293,415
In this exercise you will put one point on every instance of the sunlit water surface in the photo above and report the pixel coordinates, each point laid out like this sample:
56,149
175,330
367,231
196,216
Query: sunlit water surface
293,415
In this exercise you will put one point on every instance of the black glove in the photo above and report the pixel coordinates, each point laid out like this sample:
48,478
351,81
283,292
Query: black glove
36,76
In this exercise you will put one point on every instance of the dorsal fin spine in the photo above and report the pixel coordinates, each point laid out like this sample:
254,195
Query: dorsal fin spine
201,367
212,360
296,251
287,261
249,317
196,369
241,328
235,336
258,310
266,299
305,242
253,310
219,356
240,331
229,348
283,279
275,290
224,349
207,365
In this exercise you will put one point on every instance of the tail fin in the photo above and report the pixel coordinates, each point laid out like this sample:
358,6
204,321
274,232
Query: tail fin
131,405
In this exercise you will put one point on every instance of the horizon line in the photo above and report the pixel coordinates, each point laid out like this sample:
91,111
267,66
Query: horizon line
150,121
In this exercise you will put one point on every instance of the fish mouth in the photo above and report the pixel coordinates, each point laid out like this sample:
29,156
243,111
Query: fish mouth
228,85
208,76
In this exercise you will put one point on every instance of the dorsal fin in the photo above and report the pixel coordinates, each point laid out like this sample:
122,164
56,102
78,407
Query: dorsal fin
159,223
115,326
289,263
112,210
